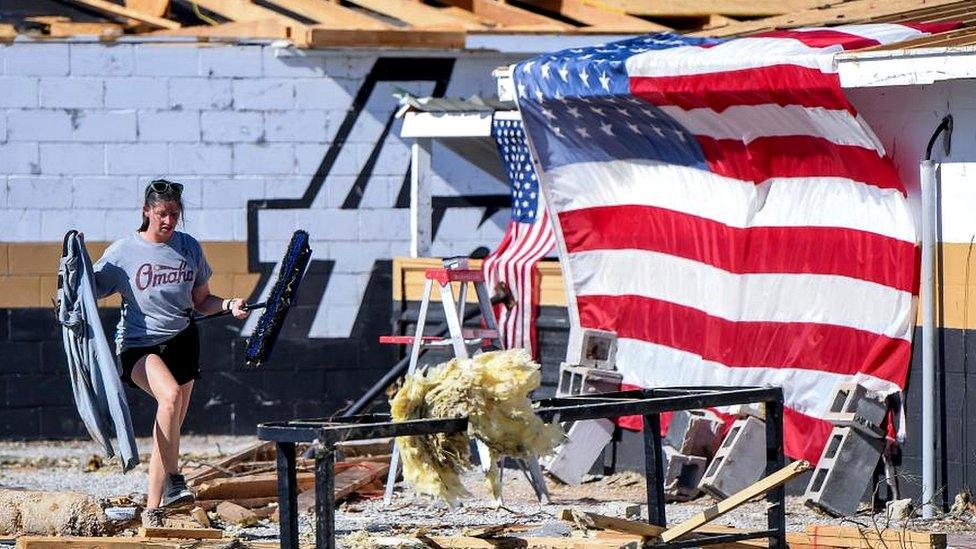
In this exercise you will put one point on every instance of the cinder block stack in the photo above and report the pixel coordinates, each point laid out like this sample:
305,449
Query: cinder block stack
589,370
852,452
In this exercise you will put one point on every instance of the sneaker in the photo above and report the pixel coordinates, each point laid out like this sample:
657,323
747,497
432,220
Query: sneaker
175,492
153,518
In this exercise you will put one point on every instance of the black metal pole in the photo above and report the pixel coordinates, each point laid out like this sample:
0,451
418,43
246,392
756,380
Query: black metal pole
287,495
654,470
775,460
325,498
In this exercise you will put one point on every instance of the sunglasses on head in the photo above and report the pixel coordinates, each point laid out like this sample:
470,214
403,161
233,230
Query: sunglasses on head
163,186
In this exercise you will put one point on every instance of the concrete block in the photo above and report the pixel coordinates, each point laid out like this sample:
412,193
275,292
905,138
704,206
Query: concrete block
38,59
325,93
72,93
231,126
38,192
239,61
577,380
308,158
384,224
136,93
264,158
357,257
584,444
119,223
296,125
107,127
694,433
263,94
19,158
54,223
102,60
292,66
739,461
592,348
278,225
223,194
81,159
20,225
753,409
169,126
287,187
107,193
200,93
349,66
137,159
394,157
19,92
852,405
209,225
167,60
36,125
682,473
844,471
200,158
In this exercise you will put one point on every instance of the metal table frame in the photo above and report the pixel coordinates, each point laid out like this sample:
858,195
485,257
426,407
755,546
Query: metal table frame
324,433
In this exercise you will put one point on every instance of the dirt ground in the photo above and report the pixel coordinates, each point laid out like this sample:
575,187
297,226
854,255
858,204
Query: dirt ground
75,466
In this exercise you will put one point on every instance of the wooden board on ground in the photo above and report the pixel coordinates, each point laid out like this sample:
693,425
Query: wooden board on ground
651,532
252,486
248,503
200,515
58,542
347,481
778,478
258,452
181,533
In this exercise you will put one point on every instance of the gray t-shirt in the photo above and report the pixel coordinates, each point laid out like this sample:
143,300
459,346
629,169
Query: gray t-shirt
155,281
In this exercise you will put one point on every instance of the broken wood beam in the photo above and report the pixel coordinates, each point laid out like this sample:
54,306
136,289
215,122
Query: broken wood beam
253,486
247,503
757,489
200,515
468,542
399,38
262,28
181,533
346,482
851,536
57,542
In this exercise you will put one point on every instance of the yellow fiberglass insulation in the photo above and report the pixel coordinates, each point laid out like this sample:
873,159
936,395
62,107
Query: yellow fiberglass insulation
492,390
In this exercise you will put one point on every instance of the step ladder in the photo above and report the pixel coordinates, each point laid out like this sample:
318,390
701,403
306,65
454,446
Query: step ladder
456,270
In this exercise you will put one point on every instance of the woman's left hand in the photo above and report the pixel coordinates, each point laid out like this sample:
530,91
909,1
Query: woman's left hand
237,308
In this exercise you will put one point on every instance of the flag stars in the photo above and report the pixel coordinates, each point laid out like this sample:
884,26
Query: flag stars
548,114
633,127
606,128
585,78
545,70
583,132
605,81
574,112
563,73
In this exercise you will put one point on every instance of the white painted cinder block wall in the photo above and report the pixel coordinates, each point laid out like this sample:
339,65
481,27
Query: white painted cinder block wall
84,127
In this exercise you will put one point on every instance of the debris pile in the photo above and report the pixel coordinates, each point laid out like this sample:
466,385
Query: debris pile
492,391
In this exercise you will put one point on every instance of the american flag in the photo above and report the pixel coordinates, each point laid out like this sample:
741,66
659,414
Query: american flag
726,211
528,237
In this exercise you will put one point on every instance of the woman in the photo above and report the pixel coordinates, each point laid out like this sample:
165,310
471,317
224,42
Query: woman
162,276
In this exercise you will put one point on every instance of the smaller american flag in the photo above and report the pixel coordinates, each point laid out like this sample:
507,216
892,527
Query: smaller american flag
528,238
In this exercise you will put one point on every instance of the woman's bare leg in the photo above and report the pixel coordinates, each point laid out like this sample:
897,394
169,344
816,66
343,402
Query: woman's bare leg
185,390
151,374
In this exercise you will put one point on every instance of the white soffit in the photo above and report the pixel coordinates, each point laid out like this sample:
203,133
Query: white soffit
905,67
446,124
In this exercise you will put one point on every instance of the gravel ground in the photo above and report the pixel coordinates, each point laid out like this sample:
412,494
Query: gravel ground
72,466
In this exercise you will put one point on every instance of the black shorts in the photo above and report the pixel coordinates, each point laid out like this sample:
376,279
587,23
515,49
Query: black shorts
180,353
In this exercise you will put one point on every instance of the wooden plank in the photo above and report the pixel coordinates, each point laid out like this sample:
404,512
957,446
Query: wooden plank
932,539
74,542
253,486
251,453
264,28
778,478
395,38
237,10
419,14
7,32
834,12
200,515
331,15
62,29
346,483
651,532
693,8
181,533
108,7
155,8
248,503
506,15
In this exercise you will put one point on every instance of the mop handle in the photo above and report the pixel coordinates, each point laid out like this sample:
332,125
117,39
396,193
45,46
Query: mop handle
226,312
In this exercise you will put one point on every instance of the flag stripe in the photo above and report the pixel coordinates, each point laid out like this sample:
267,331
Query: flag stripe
740,55
822,38
795,345
836,126
834,300
789,202
763,159
721,90
811,250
